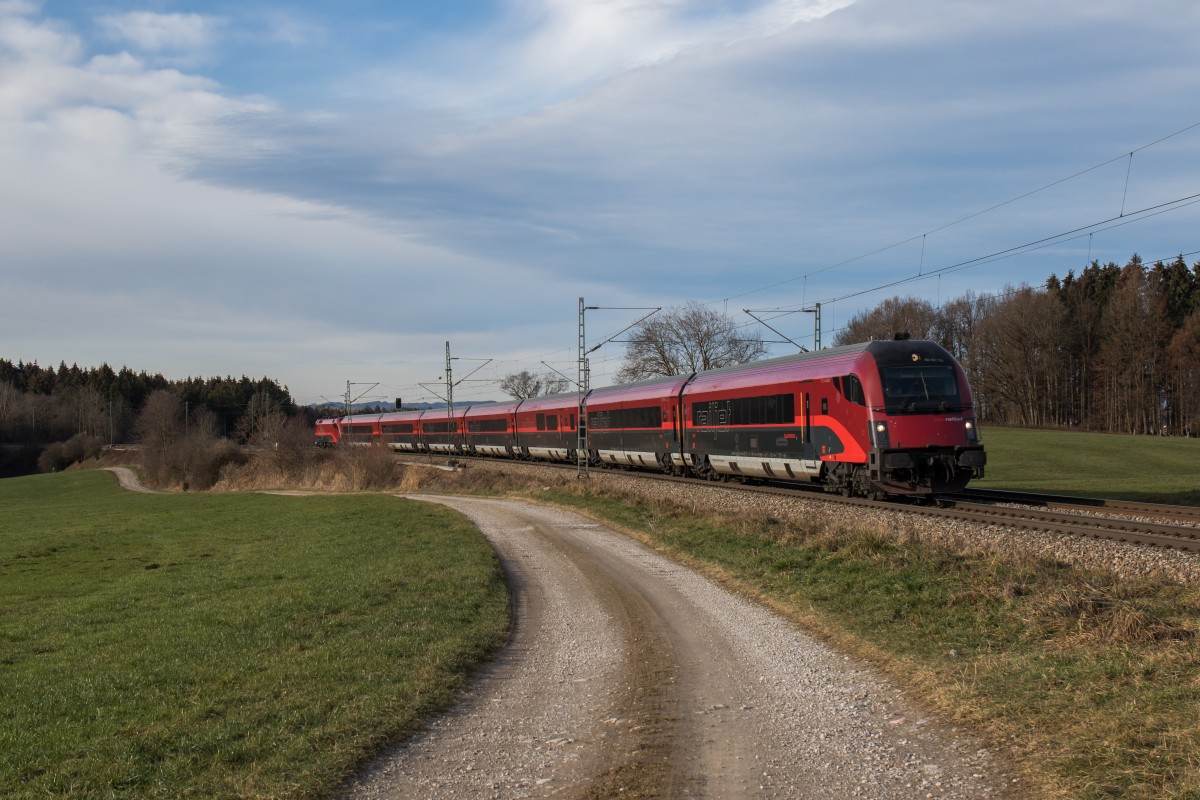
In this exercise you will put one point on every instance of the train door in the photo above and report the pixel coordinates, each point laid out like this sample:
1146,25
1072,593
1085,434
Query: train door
807,436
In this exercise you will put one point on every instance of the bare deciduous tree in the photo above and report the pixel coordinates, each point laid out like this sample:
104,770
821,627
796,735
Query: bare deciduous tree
160,422
12,402
1020,348
918,318
1184,354
159,428
525,384
521,385
262,421
553,384
685,340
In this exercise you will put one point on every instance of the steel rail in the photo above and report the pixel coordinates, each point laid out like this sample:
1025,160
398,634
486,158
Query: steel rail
1156,510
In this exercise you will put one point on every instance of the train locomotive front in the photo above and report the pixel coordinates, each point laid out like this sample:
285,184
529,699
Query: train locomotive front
921,430
872,419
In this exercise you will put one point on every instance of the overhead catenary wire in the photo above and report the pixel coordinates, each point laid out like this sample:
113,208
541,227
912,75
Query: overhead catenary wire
968,217
1027,247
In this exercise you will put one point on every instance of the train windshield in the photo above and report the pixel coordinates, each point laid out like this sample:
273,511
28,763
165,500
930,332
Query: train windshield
920,389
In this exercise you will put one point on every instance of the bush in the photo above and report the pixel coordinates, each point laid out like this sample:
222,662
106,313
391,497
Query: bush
78,448
369,467
81,447
190,464
52,459
205,460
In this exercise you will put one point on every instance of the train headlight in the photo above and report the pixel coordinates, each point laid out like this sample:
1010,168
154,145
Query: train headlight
972,433
879,435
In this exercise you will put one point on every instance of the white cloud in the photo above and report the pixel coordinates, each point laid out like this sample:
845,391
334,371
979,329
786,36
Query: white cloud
549,51
163,33
586,39
37,42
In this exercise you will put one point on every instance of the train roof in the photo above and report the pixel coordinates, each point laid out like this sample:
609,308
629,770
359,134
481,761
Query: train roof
828,354
560,400
488,409
651,389
799,366
822,363
885,349
401,416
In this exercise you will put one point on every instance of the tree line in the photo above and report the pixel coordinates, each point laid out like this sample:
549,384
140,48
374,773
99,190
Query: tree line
1113,349
44,404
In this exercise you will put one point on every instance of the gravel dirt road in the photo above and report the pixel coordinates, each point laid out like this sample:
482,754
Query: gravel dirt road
128,480
629,675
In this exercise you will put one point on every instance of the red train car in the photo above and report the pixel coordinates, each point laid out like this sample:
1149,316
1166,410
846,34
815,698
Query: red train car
491,429
441,432
361,429
401,430
636,424
546,427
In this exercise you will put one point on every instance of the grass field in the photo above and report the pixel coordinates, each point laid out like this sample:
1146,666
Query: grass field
225,645
1161,469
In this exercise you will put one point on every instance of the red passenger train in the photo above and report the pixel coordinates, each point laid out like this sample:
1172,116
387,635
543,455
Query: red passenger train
872,419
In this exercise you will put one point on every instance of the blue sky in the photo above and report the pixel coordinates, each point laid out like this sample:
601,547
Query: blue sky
328,192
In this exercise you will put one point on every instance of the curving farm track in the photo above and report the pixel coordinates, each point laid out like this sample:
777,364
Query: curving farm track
631,676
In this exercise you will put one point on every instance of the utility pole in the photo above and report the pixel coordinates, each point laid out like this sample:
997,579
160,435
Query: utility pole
450,384
348,401
581,443
581,448
449,398
816,312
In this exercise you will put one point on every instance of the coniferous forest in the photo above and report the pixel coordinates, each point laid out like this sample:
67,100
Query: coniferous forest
44,404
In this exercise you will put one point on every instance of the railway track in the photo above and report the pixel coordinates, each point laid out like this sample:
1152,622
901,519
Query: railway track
1172,527
1181,514
1121,529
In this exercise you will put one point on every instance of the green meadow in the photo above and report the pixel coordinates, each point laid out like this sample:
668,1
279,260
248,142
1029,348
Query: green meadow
1158,469
225,645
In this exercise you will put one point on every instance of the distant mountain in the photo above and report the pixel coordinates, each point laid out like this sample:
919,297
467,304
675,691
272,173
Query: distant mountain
337,409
